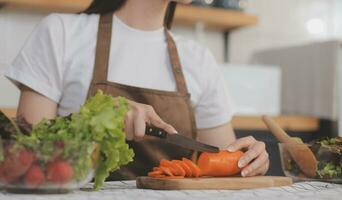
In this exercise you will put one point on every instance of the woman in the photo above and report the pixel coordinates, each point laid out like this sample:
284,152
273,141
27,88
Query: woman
171,83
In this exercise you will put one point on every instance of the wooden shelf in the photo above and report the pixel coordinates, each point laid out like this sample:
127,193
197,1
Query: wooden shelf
290,123
64,6
10,112
213,18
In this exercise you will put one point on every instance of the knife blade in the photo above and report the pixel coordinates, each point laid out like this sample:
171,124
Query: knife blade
180,140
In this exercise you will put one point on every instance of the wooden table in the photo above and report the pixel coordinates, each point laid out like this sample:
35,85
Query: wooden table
127,190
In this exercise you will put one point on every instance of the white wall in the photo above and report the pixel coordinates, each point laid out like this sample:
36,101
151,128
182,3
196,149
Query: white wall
211,39
337,30
282,22
14,29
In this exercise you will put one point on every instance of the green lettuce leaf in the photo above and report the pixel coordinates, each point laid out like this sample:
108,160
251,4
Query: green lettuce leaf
99,123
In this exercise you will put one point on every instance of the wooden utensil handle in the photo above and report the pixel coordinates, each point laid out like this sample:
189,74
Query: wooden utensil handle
276,130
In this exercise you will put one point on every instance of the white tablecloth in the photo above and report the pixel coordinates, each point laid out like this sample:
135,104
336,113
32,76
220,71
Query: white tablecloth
127,190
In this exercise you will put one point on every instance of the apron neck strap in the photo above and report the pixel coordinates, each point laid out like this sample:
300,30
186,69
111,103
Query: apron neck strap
175,63
104,37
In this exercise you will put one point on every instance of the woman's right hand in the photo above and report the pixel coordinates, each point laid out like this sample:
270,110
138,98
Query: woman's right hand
137,117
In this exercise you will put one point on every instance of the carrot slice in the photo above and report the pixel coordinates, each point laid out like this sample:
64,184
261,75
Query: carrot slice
196,172
164,163
188,172
166,171
155,173
223,163
160,176
179,168
156,168
172,177
168,164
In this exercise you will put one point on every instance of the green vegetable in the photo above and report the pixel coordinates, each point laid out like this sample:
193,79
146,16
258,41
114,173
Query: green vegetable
8,125
102,120
328,152
330,170
99,122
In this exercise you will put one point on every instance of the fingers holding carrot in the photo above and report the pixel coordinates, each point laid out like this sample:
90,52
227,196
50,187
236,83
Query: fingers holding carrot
255,151
255,160
259,171
258,167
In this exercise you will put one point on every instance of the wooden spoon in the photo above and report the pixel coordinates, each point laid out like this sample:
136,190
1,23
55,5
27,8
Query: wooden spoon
300,152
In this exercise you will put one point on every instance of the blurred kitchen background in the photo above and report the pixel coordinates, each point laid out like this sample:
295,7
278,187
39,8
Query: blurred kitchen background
279,57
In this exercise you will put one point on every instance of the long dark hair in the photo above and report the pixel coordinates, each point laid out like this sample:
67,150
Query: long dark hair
106,6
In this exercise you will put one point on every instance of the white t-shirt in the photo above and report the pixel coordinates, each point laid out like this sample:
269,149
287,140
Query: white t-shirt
58,59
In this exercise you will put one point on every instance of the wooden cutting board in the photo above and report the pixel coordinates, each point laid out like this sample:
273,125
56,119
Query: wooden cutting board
224,183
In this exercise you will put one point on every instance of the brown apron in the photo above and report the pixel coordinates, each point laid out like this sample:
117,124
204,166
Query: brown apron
173,107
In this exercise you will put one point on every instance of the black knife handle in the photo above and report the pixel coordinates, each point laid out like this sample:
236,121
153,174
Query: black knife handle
154,131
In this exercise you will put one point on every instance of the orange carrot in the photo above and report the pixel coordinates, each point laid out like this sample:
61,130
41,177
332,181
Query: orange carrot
155,173
172,177
165,163
188,172
156,168
223,163
159,176
166,171
168,164
196,172
180,170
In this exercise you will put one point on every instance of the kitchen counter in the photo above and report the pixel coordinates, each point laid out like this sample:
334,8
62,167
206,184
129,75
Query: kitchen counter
127,190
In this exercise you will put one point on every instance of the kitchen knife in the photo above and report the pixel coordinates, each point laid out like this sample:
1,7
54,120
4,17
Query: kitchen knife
180,140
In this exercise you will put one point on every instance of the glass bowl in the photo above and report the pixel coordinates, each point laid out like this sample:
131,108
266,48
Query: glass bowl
329,158
49,167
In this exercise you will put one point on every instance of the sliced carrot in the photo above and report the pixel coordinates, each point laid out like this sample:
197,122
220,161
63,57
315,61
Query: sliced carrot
196,172
165,163
178,167
158,172
172,177
156,168
168,164
160,176
167,171
188,172
223,163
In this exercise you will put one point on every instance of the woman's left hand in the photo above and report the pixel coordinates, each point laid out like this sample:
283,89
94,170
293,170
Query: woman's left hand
255,160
